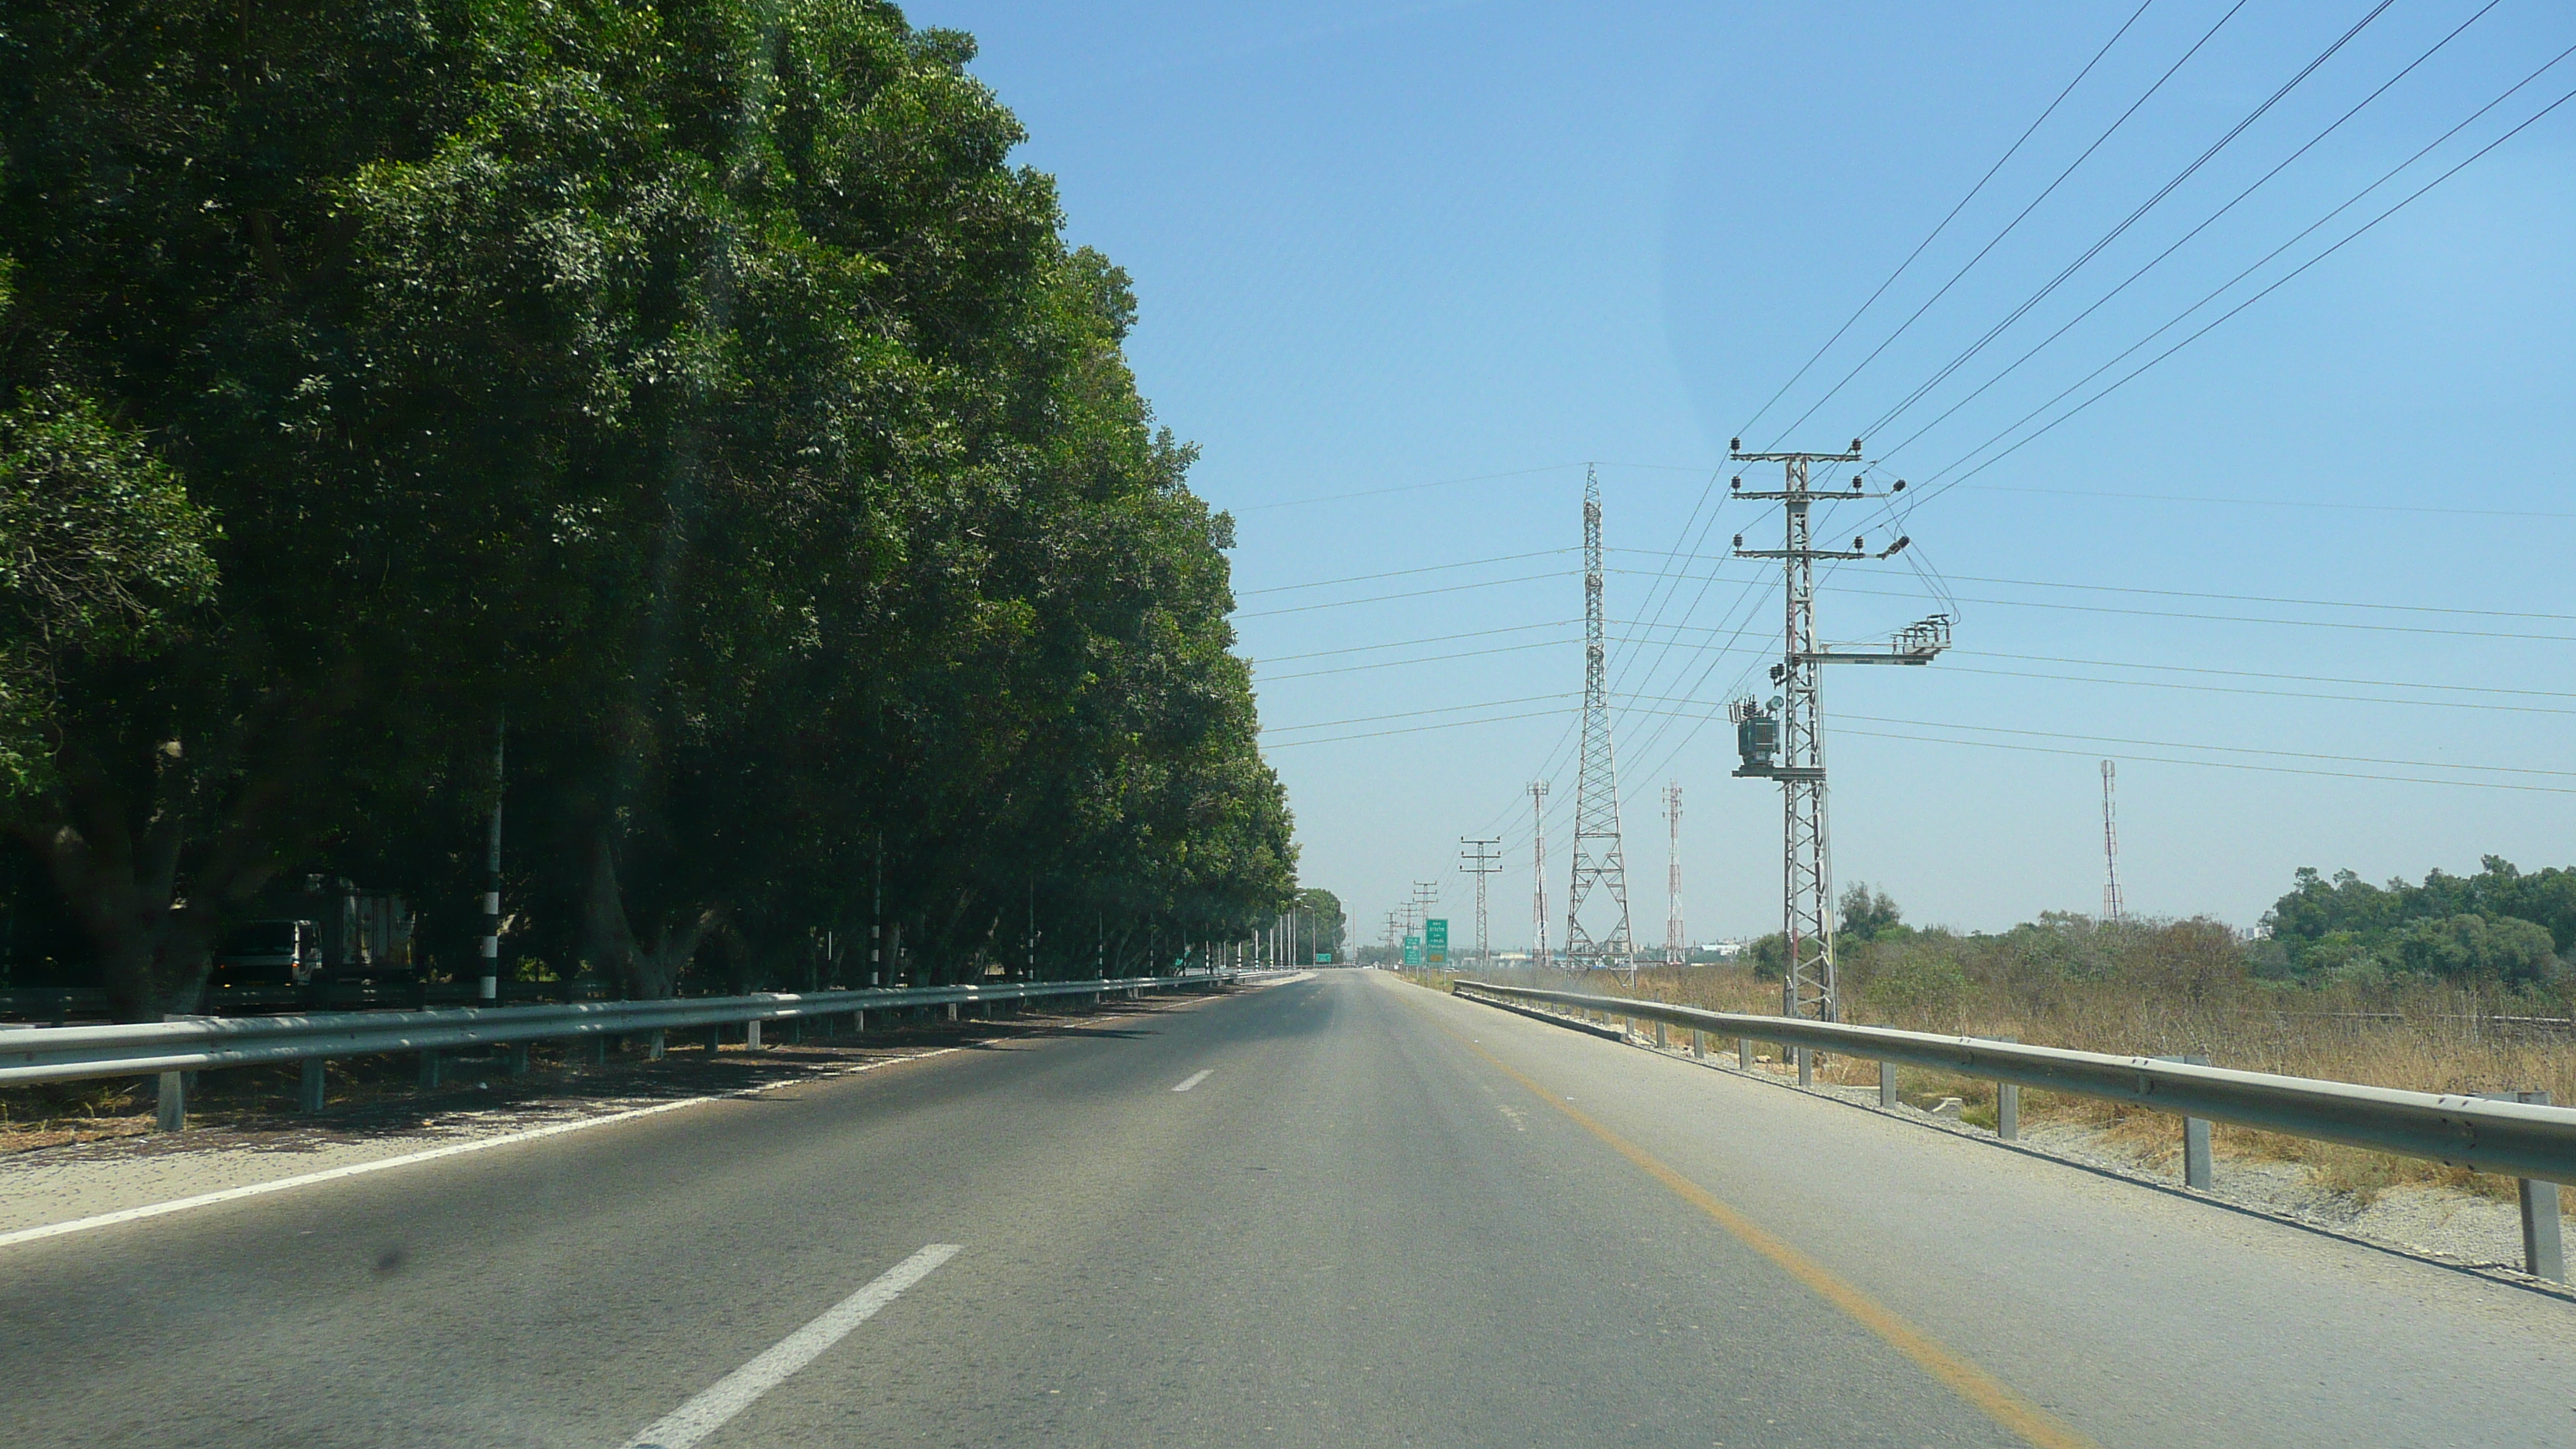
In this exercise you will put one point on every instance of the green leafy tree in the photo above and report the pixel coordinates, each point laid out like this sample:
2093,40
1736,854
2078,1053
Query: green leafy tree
696,386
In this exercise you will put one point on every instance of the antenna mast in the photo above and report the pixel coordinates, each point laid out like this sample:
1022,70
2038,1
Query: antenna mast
1598,861
1538,873
1673,950
2111,907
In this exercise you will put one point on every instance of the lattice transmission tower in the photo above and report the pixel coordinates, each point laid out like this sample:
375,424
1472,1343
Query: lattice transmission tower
1538,873
1599,863
1784,739
2111,906
1674,952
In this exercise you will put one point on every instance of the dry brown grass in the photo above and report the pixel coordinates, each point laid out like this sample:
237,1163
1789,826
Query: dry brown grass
2431,1038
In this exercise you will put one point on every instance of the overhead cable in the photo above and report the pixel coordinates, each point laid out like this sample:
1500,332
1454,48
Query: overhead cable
2018,217
1929,237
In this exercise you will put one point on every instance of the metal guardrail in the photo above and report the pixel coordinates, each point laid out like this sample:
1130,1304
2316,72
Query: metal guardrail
57,1005
2514,1139
2520,1139
167,1049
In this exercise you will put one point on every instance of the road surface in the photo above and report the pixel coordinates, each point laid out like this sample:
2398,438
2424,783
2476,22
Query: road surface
1340,1211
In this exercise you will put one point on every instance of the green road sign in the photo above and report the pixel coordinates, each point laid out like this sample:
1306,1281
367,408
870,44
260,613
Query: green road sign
1435,941
1413,950
1323,958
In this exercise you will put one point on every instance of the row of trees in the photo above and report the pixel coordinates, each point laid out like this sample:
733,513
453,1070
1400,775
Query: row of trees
694,387
2499,929
2499,924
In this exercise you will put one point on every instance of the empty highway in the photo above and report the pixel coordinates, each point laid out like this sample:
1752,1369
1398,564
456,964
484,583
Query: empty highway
1336,1211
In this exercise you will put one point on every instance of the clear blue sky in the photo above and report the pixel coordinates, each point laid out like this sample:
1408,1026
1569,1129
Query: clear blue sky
1381,247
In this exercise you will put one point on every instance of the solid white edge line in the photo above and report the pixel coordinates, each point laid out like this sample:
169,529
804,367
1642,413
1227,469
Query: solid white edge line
703,1415
453,1149
1195,1080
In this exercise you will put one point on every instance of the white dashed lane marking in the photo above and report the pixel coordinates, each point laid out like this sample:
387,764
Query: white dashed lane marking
1195,1079
703,1415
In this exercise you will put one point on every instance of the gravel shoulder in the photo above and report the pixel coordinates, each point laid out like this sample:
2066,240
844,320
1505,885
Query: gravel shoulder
2441,1224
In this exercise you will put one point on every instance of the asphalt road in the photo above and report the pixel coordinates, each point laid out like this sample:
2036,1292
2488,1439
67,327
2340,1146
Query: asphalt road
1375,1216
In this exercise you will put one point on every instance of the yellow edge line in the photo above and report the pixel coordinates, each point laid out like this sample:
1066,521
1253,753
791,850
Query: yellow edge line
1980,1388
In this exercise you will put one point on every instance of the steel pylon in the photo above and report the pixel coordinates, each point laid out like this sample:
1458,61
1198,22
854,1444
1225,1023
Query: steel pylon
1599,864
1796,712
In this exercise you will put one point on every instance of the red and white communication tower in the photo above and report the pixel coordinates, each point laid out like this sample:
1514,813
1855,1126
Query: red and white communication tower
1673,949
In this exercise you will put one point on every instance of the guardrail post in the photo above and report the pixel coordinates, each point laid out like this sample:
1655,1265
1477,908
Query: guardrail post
170,1110
1887,1084
2008,1110
653,1045
1699,1043
429,1071
715,1039
2195,1139
1744,1053
309,1092
751,1034
859,1022
518,1059
1806,1066
1659,1036
2542,1255
596,1048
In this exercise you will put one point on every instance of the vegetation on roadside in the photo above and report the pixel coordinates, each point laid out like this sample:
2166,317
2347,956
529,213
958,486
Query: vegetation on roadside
2485,1013
696,387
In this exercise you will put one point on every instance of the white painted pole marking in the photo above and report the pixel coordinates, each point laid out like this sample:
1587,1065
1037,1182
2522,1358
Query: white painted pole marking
359,1169
703,1415
1195,1080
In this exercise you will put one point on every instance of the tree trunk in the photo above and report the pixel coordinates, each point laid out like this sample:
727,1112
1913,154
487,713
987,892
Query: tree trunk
648,967
124,890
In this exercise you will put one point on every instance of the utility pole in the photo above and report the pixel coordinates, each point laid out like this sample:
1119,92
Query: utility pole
1598,861
1794,718
1484,857
1391,938
1538,873
2111,906
1673,951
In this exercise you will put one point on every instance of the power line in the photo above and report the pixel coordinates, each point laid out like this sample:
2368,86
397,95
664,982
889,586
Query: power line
2273,599
1425,659
2250,598
1417,713
2238,619
2130,220
1399,573
2267,674
2179,243
2271,693
2009,152
2229,749
1405,488
1412,730
2265,502
1928,724
1409,643
1263,678
1407,594
2044,194
2222,764
1939,487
